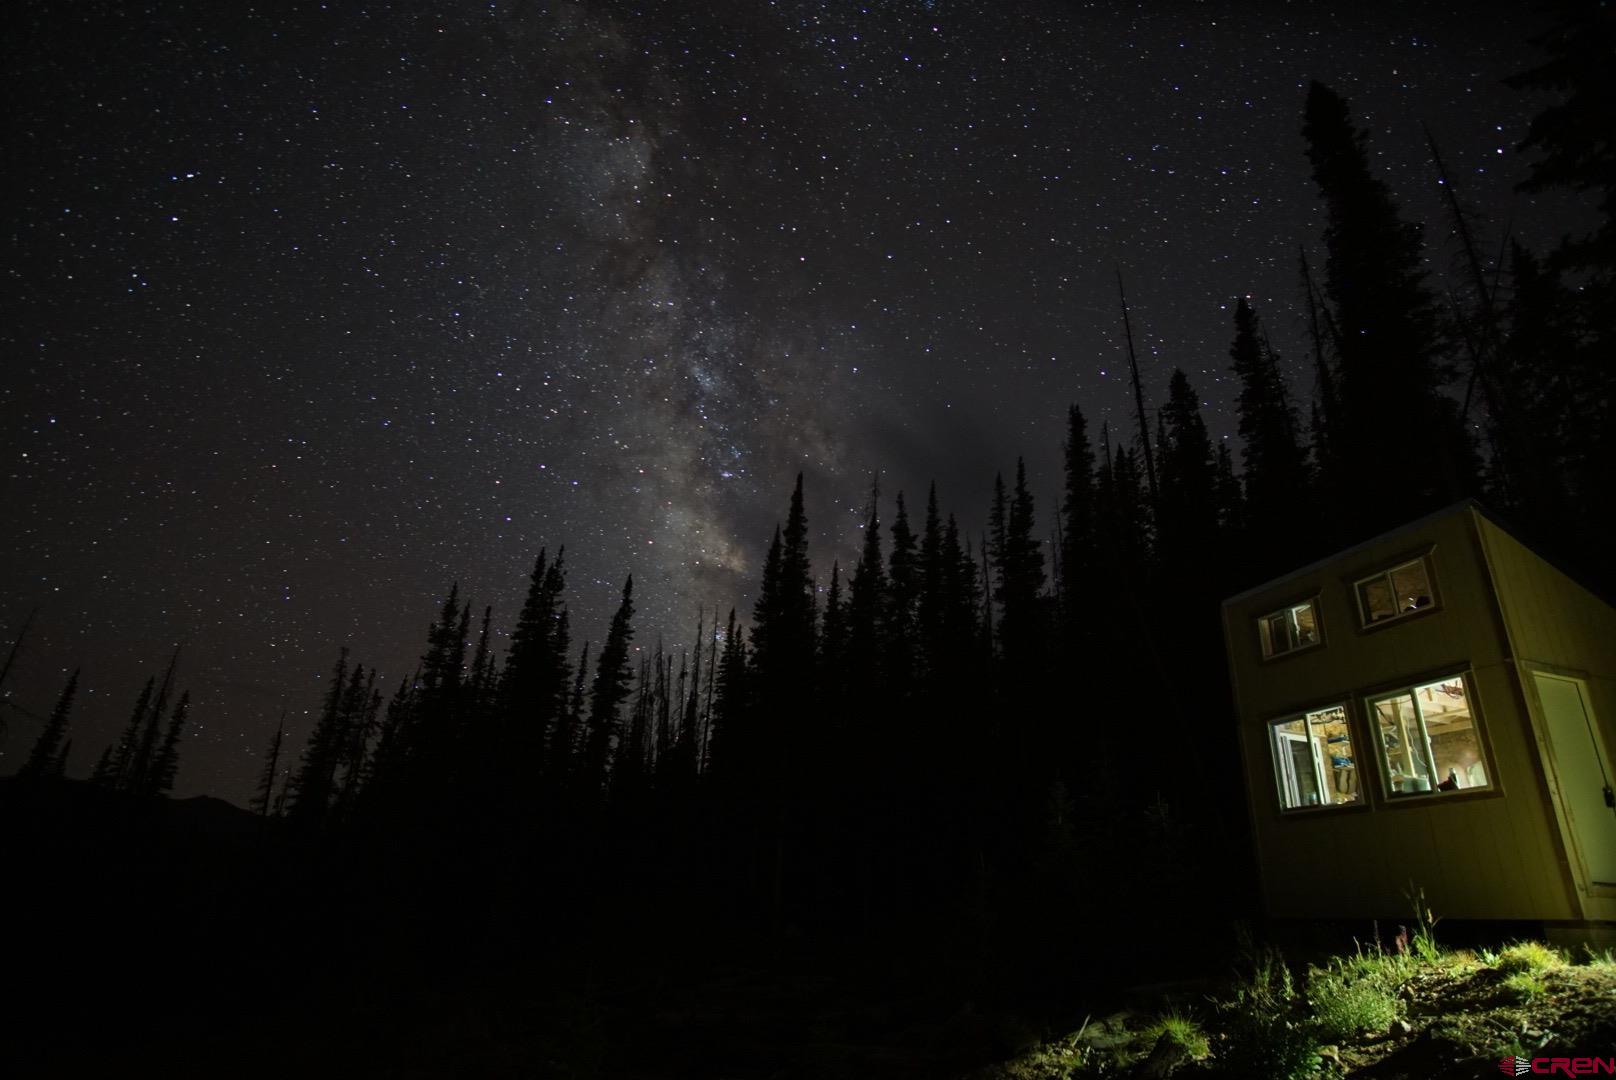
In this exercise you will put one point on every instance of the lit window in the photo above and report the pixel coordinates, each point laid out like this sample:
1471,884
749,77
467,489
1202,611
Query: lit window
1428,739
1313,762
1393,593
1289,629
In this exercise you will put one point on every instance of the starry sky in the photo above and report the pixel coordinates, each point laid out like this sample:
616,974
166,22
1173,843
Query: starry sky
312,309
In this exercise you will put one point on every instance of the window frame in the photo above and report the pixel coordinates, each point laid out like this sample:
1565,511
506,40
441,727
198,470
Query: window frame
1273,736
1388,797
1384,570
1311,600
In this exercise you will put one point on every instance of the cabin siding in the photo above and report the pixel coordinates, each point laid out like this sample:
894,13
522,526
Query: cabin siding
1556,625
1492,855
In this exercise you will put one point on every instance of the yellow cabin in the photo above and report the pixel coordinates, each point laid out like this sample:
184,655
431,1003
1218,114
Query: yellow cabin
1434,706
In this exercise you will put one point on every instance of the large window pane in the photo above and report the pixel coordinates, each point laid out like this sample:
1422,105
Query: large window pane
1428,739
1451,727
1402,744
1313,761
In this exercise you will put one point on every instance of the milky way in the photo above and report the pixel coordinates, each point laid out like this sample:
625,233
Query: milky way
315,310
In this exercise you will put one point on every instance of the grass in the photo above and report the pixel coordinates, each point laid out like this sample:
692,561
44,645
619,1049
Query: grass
1528,958
1523,986
1406,1010
1181,1030
1424,943
1342,1009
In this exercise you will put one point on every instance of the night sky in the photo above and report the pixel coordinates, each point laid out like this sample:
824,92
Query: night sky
313,309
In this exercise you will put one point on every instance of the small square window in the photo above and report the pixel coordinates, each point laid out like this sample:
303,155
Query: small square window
1313,760
1391,594
1428,739
1289,629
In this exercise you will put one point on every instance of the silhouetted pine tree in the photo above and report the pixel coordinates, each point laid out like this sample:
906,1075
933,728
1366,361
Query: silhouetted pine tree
562,750
866,602
1187,542
482,662
1563,319
113,769
1399,442
662,727
361,704
166,764
833,642
1078,524
48,747
1018,564
1573,141
537,673
439,706
1231,501
1281,524
629,763
606,696
105,772
678,773
140,775
962,648
388,764
783,646
730,703
929,606
1127,532
902,600
264,797
314,786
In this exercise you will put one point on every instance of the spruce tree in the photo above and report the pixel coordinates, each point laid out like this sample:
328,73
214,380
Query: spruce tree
313,787
730,703
1187,516
1400,443
866,602
1077,519
1282,525
610,689
115,768
264,797
1018,563
1563,319
562,749
783,645
833,639
48,747
902,600
166,764
931,605
535,682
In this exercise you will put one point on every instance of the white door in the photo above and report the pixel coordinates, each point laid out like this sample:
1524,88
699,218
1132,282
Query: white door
1583,771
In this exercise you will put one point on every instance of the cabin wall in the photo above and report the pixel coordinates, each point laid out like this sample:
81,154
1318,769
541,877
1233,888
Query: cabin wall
1556,625
1493,854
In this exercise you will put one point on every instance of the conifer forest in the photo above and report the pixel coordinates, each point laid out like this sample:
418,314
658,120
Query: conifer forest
973,765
